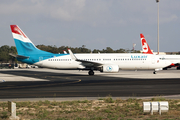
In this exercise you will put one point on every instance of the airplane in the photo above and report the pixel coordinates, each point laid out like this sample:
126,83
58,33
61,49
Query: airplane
104,62
174,59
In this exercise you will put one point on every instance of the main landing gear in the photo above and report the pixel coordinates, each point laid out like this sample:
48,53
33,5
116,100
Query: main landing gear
91,72
154,72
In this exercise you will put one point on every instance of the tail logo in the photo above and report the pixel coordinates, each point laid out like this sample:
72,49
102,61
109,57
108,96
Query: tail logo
19,31
144,46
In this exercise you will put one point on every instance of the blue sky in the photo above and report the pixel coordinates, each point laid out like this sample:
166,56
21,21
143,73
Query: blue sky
97,24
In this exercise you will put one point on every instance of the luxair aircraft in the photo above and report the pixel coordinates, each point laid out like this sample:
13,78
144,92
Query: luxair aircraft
109,63
174,59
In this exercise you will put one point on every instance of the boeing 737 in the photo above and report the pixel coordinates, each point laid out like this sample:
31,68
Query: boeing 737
111,62
174,59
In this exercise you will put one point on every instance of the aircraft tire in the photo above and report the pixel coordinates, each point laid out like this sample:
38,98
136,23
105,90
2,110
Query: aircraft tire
165,68
91,72
178,68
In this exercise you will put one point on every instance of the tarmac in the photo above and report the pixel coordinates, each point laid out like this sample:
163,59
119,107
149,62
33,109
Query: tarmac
60,85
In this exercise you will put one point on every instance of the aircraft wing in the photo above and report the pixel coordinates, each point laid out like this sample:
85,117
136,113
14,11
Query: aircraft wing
18,56
89,63
84,62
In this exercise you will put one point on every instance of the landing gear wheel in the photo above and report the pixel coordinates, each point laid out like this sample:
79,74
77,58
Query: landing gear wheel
91,72
165,68
178,68
154,72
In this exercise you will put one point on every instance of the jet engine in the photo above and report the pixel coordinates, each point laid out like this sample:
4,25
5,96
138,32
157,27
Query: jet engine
110,68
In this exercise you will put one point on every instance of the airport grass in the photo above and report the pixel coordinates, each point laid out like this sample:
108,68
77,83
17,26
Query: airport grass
101,109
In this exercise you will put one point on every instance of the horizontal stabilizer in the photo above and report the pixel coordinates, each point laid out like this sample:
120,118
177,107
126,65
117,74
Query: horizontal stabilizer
18,56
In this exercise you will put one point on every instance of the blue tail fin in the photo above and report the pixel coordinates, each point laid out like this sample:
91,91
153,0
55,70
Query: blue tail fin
24,45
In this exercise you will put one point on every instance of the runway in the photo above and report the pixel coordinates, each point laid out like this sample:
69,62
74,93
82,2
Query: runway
47,83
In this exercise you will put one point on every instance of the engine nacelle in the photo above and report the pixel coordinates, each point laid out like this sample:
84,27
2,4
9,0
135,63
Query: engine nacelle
110,68
158,69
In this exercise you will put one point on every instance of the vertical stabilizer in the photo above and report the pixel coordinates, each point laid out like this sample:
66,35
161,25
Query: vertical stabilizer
145,47
24,45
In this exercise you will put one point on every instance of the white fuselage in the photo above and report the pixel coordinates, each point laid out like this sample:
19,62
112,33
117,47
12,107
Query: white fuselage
124,61
172,58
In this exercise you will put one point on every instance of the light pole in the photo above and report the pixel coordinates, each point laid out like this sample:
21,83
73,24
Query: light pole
158,28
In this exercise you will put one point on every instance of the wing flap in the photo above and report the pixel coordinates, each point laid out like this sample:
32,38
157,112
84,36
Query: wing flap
89,63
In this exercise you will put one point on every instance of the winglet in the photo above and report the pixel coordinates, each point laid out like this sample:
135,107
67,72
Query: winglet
73,57
145,47
64,52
